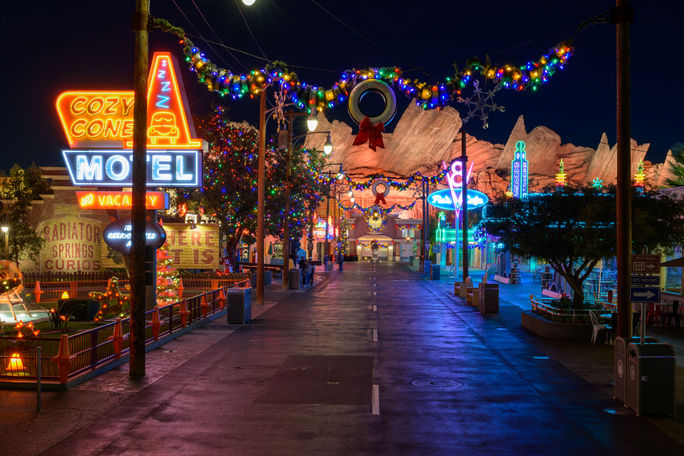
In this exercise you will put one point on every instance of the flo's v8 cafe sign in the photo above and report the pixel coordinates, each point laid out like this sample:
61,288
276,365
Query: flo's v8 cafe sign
99,128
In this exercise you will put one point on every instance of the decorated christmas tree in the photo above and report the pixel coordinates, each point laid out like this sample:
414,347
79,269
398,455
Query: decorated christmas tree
167,277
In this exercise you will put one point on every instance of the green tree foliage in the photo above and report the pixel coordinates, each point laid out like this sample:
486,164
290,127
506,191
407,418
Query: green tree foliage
676,167
18,190
573,228
229,190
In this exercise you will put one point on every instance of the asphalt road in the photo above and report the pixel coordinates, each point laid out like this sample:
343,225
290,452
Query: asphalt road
376,360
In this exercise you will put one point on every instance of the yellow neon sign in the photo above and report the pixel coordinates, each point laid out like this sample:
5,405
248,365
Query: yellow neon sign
104,119
119,200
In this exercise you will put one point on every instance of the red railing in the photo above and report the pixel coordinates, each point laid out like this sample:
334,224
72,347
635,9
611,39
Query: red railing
66,357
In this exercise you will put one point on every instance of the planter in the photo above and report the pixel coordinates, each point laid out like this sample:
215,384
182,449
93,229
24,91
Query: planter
553,329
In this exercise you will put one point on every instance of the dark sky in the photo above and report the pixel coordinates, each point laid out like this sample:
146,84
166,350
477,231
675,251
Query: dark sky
55,46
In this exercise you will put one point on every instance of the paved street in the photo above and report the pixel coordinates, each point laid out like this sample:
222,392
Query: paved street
375,360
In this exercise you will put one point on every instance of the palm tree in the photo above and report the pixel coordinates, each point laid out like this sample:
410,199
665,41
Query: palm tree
675,167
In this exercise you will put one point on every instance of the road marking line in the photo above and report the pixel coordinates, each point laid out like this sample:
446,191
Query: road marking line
375,335
375,403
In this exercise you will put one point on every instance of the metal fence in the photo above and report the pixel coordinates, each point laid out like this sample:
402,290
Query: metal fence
68,356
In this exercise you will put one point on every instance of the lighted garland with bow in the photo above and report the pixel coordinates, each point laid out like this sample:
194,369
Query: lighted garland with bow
369,209
428,95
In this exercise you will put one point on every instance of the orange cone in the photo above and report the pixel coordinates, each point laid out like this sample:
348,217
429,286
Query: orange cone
62,359
37,292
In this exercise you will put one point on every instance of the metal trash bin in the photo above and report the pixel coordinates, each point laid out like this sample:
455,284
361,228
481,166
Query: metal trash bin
434,272
651,379
620,366
239,305
294,279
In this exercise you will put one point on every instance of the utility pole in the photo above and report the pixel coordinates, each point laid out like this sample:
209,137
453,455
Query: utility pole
139,168
622,16
261,185
464,204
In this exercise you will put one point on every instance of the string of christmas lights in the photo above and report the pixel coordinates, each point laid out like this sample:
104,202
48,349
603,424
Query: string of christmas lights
529,76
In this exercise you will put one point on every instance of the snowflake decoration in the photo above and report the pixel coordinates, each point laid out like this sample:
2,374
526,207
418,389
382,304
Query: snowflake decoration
278,113
481,103
597,183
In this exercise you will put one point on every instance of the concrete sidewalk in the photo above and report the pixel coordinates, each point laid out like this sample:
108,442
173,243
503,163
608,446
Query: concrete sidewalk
593,362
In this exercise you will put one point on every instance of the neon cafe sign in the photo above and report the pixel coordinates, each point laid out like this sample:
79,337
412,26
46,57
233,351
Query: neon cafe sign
103,121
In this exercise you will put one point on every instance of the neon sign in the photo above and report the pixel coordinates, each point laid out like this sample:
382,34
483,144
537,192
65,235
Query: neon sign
167,168
443,199
104,119
120,200
117,235
456,193
519,172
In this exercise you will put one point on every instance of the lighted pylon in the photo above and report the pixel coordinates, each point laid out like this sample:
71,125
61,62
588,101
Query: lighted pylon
561,176
640,176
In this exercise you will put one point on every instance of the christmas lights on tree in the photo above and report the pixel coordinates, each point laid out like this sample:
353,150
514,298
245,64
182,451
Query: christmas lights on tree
167,277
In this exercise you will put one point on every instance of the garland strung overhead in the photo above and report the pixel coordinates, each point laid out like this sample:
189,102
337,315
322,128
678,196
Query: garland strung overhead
401,184
428,95
375,207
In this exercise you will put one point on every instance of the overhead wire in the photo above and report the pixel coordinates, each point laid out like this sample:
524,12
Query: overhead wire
209,42
249,29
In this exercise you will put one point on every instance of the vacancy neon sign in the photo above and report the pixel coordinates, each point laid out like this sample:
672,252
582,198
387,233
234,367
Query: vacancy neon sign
104,119
120,200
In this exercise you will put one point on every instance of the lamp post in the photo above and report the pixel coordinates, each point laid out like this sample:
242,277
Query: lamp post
311,123
5,229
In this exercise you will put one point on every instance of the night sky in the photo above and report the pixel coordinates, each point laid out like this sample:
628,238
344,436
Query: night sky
55,46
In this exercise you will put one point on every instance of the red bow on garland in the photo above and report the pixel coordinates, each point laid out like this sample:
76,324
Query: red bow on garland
371,133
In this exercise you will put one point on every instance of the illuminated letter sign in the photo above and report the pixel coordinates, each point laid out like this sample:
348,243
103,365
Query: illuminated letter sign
117,235
442,199
120,200
519,172
104,120
165,168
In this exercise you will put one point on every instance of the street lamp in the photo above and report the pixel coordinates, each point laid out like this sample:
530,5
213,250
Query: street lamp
5,229
312,121
248,2
327,147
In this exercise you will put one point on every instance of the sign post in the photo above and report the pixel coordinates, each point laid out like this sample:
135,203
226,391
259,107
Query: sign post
645,285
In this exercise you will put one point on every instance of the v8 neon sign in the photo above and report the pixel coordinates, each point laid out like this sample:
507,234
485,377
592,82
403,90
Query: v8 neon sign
456,171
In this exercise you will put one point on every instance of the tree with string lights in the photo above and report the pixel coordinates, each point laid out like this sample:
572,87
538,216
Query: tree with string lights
229,191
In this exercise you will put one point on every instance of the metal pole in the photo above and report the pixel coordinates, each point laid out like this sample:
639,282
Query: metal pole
327,221
39,374
286,218
137,275
464,204
622,16
261,185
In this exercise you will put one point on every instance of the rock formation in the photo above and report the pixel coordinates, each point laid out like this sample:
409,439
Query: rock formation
422,140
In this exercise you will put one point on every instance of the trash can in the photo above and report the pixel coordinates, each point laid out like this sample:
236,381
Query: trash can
651,379
434,272
239,305
489,298
620,365
294,279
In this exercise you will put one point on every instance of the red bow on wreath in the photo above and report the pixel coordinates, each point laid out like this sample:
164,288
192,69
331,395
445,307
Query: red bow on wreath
380,197
371,133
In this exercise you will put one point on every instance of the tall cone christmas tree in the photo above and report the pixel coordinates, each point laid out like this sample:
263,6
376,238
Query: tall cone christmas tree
167,277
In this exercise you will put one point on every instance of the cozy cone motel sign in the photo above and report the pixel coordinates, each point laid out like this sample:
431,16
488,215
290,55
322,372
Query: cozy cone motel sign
99,128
